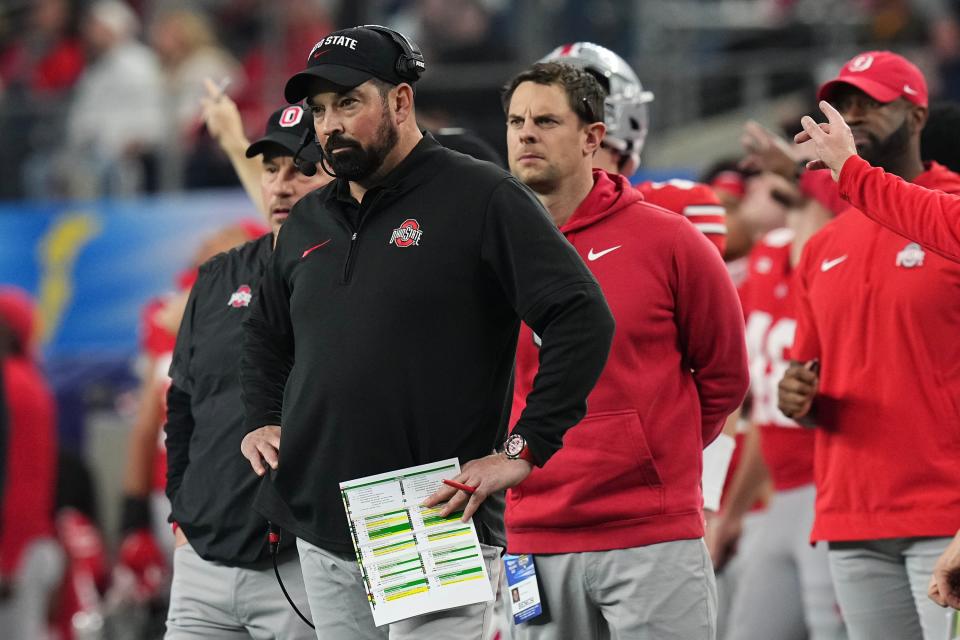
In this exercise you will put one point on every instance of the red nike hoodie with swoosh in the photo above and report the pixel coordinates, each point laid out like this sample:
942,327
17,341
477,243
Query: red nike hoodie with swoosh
629,473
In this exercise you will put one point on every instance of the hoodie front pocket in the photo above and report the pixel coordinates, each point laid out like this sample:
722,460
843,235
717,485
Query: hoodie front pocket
604,473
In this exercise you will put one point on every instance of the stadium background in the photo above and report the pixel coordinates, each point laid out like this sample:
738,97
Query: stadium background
94,251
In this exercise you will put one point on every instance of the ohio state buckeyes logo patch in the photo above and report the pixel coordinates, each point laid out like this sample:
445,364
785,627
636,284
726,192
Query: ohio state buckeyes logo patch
911,256
241,297
407,234
861,63
291,116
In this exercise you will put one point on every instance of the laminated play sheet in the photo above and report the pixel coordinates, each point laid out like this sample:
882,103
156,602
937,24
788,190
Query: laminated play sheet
412,560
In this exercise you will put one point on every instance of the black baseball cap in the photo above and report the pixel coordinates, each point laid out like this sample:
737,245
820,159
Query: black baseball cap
346,59
285,129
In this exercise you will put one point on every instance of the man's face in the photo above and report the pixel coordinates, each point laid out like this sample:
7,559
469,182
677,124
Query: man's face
282,186
881,131
546,140
356,130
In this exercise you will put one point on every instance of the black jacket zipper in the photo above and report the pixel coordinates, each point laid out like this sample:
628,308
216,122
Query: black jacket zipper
355,236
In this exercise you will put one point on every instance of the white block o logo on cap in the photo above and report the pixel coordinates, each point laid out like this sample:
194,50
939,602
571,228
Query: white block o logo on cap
860,63
291,116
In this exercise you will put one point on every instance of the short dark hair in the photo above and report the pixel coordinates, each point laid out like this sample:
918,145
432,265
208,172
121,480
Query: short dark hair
383,87
584,93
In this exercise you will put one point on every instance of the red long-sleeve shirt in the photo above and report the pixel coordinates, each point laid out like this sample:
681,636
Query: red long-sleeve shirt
927,216
882,314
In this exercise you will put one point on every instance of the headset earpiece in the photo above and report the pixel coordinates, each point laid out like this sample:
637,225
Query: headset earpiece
410,63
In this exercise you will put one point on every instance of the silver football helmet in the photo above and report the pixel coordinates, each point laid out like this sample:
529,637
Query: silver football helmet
625,107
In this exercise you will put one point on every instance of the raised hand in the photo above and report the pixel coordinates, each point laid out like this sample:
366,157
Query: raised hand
832,140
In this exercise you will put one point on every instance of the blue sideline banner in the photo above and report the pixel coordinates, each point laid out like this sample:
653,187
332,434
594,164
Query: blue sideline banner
93,265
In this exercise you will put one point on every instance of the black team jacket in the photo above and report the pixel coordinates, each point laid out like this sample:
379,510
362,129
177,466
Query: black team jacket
210,484
383,334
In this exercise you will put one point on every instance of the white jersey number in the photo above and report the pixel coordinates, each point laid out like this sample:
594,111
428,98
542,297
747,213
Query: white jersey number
766,344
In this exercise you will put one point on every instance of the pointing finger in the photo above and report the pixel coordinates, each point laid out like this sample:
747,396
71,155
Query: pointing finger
811,128
833,116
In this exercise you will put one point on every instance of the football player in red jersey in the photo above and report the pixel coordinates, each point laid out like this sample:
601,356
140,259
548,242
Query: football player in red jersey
625,115
784,590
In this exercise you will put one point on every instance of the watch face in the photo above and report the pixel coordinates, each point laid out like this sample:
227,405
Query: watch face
513,445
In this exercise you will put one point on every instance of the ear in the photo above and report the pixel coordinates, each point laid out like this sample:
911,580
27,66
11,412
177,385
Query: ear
594,136
401,102
918,118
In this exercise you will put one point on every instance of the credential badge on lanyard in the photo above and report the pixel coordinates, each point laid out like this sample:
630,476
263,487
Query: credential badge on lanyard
523,587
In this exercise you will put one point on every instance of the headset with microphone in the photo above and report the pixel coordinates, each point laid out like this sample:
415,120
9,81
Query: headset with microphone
303,165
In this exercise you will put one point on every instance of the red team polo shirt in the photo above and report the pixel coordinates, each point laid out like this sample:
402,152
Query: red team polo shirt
767,298
882,314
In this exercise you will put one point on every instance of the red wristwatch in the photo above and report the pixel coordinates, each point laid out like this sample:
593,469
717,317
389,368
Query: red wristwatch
515,448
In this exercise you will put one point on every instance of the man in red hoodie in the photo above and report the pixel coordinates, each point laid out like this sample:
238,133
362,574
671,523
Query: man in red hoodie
31,562
879,313
615,520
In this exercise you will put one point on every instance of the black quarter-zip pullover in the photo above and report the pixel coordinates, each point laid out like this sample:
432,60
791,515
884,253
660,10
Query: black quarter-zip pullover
384,332
210,485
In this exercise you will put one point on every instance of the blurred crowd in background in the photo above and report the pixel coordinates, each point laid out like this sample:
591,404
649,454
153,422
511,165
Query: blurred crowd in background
68,68
100,108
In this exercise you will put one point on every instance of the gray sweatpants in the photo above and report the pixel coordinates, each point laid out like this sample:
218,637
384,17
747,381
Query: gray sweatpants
785,590
882,588
340,609
730,577
658,592
212,600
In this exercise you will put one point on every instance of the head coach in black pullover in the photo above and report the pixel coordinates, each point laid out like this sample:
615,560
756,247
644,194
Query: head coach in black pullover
386,324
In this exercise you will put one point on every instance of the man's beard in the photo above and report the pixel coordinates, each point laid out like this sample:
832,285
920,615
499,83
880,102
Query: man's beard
356,163
889,151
